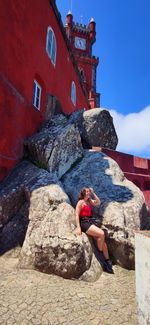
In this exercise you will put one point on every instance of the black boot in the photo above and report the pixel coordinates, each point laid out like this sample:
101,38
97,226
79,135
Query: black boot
108,267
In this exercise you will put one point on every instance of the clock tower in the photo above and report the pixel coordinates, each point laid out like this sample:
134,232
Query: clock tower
82,38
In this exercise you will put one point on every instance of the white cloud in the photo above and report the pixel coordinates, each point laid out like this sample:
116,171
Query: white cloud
133,131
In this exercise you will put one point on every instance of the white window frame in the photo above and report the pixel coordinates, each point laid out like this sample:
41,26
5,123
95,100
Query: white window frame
73,93
36,96
51,46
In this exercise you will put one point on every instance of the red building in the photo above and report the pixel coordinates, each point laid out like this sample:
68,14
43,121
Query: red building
38,73
46,67
82,38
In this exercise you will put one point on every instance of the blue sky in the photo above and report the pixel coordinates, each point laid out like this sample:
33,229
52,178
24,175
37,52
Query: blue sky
123,75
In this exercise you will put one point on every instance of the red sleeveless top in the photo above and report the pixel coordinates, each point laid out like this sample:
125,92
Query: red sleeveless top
86,211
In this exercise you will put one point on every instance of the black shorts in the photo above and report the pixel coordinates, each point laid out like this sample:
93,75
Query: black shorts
86,222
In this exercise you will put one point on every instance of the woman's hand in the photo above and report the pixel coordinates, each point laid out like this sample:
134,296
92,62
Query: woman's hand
95,199
78,231
91,190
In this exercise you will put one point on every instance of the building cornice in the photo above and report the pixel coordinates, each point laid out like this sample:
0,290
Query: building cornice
86,59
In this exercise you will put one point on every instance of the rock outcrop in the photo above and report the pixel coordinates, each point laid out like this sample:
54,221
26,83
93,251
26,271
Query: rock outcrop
13,233
57,146
13,189
44,200
50,244
96,128
122,209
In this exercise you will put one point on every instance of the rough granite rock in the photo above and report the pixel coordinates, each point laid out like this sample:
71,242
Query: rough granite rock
96,128
57,146
51,245
12,190
37,196
12,235
122,210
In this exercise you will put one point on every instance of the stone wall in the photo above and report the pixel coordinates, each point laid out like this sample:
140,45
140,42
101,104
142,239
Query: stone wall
142,263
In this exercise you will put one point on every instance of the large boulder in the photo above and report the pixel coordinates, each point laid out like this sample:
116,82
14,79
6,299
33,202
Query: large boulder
57,146
34,201
96,128
12,190
122,210
14,202
51,244
36,195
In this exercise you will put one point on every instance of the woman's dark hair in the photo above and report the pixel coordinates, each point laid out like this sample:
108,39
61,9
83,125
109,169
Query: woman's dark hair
82,193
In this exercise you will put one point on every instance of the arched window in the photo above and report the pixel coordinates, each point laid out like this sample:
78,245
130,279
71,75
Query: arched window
73,93
51,45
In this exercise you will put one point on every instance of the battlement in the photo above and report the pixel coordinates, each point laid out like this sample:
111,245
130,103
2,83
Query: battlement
81,28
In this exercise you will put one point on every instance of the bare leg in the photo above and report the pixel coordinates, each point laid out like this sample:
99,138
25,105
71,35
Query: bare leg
100,243
104,248
105,251
98,233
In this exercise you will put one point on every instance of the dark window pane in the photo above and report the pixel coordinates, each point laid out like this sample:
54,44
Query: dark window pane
50,34
38,92
54,50
49,45
49,48
37,102
73,93
34,92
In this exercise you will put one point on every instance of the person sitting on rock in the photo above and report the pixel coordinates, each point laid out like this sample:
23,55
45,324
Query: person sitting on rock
85,222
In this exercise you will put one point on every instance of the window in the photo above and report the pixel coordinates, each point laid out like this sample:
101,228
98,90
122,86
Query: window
36,95
73,93
139,162
82,75
51,45
94,78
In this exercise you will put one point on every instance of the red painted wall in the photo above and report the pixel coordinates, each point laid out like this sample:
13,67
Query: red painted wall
23,58
127,162
86,64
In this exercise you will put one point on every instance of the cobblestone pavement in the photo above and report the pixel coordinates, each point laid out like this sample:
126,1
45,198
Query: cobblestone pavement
30,297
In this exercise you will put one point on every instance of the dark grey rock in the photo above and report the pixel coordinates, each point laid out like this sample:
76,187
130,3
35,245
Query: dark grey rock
57,146
13,193
98,129
13,233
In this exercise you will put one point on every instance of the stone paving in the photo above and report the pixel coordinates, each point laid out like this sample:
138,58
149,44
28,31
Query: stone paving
30,297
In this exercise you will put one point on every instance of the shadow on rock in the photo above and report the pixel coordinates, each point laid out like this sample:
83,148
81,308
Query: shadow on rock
13,233
122,210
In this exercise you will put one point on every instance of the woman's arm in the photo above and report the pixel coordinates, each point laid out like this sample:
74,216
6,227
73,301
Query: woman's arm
77,214
96,200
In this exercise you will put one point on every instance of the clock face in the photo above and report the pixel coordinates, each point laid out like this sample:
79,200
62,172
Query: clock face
80,43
